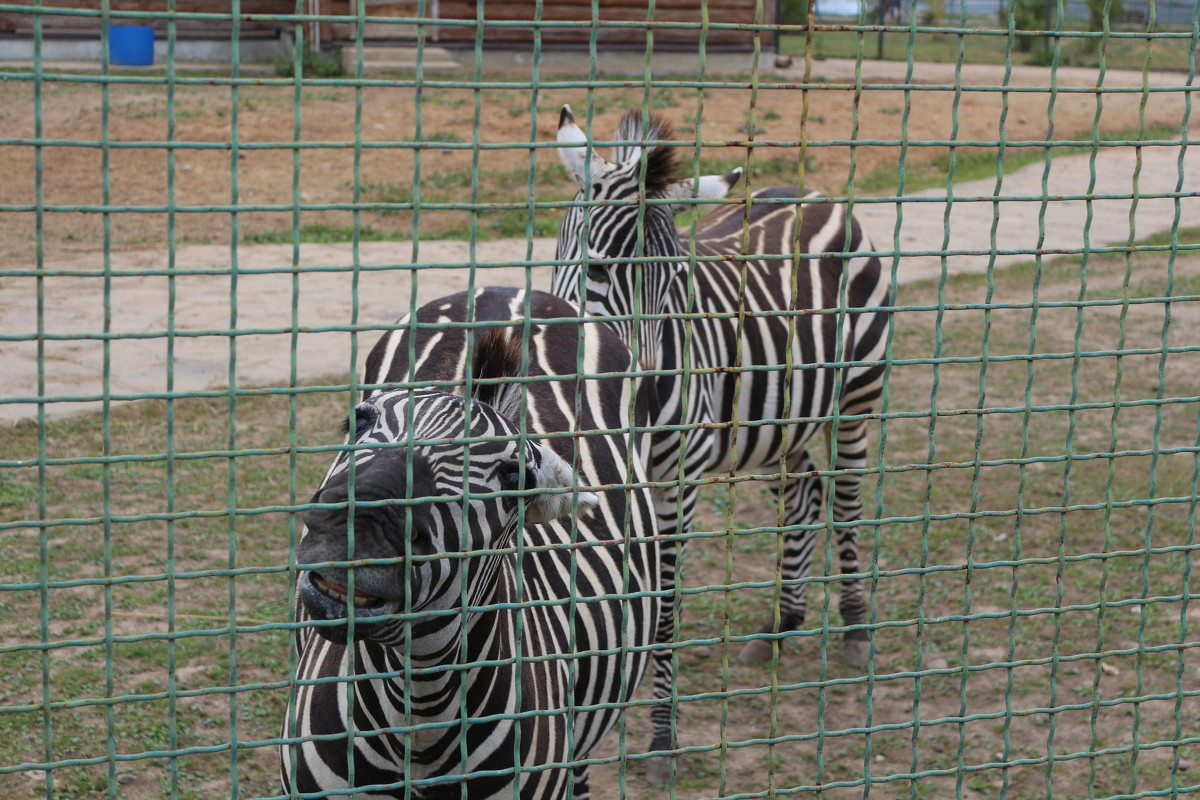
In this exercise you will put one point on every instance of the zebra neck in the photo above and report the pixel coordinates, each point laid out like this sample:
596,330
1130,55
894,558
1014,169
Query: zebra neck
660,295
466,636
437,693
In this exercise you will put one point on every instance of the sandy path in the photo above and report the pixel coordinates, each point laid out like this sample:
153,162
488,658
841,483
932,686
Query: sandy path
139,304
139,307
923,225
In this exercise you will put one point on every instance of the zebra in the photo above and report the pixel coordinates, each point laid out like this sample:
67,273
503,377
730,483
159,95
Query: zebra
450,690
635,267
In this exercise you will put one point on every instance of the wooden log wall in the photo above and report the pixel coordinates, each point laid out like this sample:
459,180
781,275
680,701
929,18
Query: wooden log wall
55,24
719,11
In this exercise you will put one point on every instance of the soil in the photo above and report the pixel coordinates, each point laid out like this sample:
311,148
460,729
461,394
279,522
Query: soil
134,171
812,705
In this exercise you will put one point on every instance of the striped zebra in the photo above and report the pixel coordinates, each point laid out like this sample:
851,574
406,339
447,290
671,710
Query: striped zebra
631,260
450,688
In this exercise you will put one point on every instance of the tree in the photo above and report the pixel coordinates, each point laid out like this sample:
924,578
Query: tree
1028,15
1096,15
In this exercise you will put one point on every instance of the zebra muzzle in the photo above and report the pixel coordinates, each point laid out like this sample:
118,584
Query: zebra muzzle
329,600
341,593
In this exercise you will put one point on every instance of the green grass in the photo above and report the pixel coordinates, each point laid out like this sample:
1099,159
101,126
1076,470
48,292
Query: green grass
1165,54
811,690
80,673
660,99
552,183
973,163
318,233
1025,525
313,63
497,224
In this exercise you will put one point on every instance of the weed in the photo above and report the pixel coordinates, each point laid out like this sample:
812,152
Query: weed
323,97
318,233
16,491
972,163
313,63
443,136
513,223
386,193
442,100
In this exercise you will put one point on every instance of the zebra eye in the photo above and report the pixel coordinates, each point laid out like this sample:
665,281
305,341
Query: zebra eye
510,477
365,415
597,273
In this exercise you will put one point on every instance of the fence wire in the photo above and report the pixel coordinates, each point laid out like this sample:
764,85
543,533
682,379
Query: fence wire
224,245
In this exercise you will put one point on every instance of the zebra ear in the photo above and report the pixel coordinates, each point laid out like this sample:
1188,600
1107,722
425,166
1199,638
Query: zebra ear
708,187
551,472
575,157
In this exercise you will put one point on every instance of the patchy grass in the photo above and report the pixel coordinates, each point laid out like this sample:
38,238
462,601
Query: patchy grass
1042,592
973,163
656,98
326,234
392,203
1001,570
148,560
1164,54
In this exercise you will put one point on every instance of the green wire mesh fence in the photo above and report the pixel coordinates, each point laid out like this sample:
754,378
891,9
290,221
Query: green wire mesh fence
223,243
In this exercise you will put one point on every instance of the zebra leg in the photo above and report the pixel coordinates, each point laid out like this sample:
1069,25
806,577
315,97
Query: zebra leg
847,507
802,501
581,789
671,509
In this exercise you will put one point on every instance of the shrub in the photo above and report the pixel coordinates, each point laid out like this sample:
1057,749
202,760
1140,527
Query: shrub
312,63
1028,15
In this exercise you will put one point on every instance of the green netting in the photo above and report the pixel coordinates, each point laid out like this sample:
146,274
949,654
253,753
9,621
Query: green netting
197,257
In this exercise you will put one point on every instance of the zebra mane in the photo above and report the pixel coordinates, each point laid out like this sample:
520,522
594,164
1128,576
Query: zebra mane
497,356
661,169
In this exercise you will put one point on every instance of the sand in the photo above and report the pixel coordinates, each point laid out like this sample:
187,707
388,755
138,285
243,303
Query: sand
78,369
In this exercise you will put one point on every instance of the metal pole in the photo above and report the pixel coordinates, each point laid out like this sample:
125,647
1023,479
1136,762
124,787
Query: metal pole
881,12
1049,22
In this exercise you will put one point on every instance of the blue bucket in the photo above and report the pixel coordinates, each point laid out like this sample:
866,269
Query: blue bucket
131,45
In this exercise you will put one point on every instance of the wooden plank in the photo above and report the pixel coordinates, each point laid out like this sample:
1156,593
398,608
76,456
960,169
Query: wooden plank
508,12
182,6
727,11
23,25
390,8
191,28
719,11
632,39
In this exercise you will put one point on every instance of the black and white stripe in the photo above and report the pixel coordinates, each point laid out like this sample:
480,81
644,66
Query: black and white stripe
483,655
795,347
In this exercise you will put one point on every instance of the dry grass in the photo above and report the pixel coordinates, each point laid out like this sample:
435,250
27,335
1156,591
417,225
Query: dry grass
1112,525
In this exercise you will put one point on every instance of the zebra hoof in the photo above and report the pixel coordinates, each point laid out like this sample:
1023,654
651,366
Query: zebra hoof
658,769
756,652
856,653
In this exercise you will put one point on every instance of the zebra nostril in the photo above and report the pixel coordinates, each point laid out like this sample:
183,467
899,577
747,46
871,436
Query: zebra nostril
333,495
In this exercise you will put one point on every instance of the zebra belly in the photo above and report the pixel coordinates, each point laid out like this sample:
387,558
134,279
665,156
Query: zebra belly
785,404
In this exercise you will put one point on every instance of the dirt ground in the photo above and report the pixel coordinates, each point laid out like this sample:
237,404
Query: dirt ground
322,169
812,709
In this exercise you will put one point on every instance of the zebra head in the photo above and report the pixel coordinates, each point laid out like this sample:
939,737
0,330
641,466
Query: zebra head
424,502
603,235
